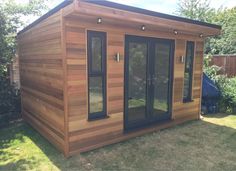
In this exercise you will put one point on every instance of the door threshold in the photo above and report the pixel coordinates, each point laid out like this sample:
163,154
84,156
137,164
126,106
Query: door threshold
148,125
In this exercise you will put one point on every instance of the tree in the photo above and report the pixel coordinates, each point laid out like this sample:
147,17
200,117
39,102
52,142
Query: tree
194,9
11,15
200,10
226,42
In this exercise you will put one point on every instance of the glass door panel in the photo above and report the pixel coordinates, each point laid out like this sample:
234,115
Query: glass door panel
161,79
137,81
147,80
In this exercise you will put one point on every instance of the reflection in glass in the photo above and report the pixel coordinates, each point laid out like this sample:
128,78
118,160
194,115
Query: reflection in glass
137,80
161,78
96,54
95,95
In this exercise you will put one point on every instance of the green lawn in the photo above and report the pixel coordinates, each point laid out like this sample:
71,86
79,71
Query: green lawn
209,144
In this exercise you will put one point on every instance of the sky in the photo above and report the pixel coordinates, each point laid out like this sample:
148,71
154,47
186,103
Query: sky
170,6
163,6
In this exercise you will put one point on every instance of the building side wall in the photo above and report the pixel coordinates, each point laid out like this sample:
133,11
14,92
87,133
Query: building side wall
42,79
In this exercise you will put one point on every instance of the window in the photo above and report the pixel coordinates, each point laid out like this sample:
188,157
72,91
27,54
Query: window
97,74
188,72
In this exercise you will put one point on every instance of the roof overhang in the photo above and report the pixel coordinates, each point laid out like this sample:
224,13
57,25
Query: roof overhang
120,14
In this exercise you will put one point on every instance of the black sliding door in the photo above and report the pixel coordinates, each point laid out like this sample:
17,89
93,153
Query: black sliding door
148,80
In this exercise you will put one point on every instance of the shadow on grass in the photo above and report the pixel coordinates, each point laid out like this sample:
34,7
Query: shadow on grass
143,153
22,164
12,134
218,115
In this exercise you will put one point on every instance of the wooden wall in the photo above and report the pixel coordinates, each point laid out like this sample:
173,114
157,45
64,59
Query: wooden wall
42,81
181,109
85,135
82,132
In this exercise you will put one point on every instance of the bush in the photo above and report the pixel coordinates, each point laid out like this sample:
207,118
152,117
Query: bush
10,105
227,87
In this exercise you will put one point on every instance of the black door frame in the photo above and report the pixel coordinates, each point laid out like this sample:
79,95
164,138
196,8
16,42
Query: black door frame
150,43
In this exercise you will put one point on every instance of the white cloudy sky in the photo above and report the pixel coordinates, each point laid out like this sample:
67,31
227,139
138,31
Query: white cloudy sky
164,6
169,6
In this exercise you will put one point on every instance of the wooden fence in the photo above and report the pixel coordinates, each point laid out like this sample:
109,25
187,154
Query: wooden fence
227,63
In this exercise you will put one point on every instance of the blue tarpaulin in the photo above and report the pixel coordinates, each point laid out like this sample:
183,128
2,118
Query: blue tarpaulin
209,89
210,95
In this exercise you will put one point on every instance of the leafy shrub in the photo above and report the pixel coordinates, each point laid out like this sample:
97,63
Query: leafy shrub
210,70
228,90
226,85
9,101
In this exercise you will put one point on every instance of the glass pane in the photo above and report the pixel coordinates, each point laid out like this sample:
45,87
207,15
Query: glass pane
137,81
161,78
96,54
188,71
95,94
186,85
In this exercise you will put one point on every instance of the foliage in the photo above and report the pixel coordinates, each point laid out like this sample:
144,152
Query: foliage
227,86
210,70
9,101
200,10
12,14
194,9
11,19
226,42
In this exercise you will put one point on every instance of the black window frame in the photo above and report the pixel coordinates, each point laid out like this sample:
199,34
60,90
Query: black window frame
101,74
189,45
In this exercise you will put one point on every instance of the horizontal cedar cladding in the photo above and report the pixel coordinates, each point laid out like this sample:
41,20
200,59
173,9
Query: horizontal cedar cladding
42,79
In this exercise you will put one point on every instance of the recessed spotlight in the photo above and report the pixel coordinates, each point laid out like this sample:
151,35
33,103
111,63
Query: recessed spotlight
143,27
99,20
175,32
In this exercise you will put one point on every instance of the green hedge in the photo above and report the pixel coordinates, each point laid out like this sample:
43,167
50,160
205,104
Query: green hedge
10,106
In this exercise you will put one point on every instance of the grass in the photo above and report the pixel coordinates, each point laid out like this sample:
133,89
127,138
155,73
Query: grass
209,144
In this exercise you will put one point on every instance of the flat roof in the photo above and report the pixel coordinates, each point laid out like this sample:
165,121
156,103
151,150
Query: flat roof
151,13
121,7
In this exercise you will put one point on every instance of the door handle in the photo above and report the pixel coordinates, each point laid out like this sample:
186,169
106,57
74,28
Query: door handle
154,79
149,81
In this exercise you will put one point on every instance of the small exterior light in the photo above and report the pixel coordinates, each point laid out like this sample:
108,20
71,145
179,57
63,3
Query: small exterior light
201,35
182,59
143,27
175,32
99,20
117,57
